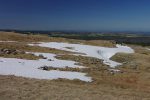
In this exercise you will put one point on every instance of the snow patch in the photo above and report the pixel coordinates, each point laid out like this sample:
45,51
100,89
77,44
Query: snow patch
52,61
30,68
148,48
104,53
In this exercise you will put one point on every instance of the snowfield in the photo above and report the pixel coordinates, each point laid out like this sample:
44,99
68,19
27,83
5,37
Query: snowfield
103,53
31,68
52,61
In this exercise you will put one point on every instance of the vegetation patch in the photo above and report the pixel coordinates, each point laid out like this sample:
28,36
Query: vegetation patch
133,83
138,61
12,36
13,53
25,47
83,60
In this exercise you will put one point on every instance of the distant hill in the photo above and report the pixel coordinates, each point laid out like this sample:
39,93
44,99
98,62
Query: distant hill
139,38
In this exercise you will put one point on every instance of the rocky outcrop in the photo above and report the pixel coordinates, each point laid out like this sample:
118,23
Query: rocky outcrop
10,51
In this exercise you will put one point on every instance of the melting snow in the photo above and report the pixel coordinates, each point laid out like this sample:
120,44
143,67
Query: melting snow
30,68
52,61
103,53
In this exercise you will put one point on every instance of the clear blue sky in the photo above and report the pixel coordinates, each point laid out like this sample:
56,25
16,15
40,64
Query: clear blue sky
77,15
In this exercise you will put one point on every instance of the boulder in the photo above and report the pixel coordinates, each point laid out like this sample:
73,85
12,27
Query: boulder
44,68
11,51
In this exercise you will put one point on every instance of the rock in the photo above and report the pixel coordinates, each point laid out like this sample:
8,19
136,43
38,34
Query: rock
41,56
44,68
66,67
50,60
11,51
114,71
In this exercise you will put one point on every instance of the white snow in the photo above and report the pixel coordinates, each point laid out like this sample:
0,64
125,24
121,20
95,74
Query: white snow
30,68
55,62
147,48
103,53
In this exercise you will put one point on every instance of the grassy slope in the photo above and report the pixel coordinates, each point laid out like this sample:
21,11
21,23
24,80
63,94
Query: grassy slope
130,85
10,36
24,39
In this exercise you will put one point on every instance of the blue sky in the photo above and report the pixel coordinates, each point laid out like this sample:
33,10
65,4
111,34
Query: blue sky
76,15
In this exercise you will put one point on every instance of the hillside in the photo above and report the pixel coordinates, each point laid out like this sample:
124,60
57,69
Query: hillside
39,67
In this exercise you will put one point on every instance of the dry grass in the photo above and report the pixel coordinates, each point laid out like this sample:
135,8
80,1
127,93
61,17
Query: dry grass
132,84
138,61
20,56
17,88
24,47
136,65
103,43
135,79
140,49
24,39
11,36
83,60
